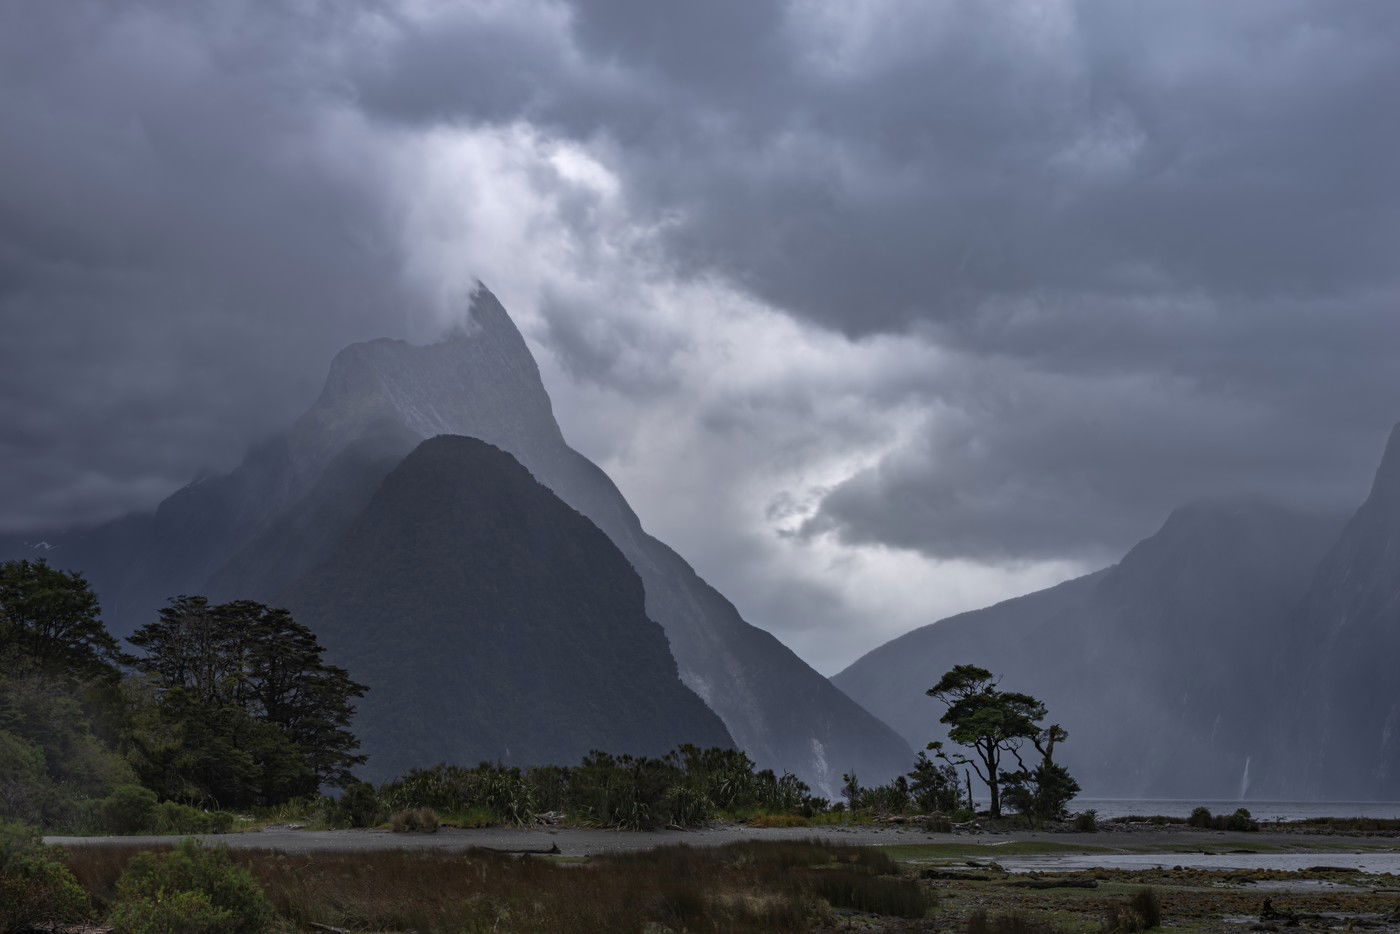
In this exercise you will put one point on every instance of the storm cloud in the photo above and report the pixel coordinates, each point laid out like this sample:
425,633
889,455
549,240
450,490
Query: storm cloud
875,311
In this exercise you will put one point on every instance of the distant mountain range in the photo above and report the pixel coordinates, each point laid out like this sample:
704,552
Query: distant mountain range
502,600
1244,650
293,516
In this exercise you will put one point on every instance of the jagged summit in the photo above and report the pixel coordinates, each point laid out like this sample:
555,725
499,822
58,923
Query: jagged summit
480,382
1386,485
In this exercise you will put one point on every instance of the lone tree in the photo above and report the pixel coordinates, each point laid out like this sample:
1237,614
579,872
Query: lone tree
992,723
260,717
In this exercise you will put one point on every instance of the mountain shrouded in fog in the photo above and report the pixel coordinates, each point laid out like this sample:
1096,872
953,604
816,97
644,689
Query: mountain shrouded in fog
1340,694
255,531
1161,667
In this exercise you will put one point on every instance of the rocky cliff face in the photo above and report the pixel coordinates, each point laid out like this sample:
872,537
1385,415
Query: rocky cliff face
492,622
1160,667
1340,660
252,532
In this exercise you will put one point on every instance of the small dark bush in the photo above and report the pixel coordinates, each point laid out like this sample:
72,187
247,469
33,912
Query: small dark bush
1241,820
357,806
1146,904
193,889
1086,821
34,886
1141,912
899,898
1200,817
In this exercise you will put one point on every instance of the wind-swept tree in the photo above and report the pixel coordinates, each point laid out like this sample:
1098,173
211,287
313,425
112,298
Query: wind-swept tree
992,724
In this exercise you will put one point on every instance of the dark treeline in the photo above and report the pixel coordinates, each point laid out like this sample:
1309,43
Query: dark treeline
225,707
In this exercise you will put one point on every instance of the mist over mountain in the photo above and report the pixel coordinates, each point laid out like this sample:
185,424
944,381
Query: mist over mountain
1160,667
492,622
256,530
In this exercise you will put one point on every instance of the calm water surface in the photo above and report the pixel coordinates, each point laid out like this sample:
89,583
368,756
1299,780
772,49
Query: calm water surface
1260,810
1376,862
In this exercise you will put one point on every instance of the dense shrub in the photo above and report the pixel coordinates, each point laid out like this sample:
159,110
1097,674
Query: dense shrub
687,787
192,888
128,809
1241,820
1087,821
417,820
357,806
170,817
132,809
34,886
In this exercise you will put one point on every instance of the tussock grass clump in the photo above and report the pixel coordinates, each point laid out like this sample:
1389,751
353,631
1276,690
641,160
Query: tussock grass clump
1141,912
880,895
416,820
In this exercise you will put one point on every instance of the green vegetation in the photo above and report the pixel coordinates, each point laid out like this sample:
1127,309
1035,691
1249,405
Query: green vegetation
685,788
229,706
248,711
191,889
35,886
1240,820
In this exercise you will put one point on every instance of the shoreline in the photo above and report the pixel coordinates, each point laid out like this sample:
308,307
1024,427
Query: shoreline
583,842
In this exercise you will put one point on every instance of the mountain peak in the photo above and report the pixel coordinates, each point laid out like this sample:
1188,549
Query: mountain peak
1386,486
480,381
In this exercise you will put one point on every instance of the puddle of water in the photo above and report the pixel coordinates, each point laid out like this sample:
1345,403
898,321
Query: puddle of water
1372,862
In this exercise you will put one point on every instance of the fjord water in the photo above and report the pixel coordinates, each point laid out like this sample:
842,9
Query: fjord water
1372,861
1260,810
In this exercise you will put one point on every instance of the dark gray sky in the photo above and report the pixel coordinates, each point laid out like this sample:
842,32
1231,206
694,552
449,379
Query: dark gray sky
876,311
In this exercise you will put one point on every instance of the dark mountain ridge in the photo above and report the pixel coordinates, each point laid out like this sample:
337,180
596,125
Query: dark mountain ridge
530,645
1339,659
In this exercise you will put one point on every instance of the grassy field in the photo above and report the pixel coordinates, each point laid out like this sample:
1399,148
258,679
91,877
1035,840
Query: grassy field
801,886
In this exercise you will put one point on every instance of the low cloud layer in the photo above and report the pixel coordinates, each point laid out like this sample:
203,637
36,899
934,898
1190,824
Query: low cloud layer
875,311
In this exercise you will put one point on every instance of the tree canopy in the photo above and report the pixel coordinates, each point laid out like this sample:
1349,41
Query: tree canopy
52,619
258,715
993,723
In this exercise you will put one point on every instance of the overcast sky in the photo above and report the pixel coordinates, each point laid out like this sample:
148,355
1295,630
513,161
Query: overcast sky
876,311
